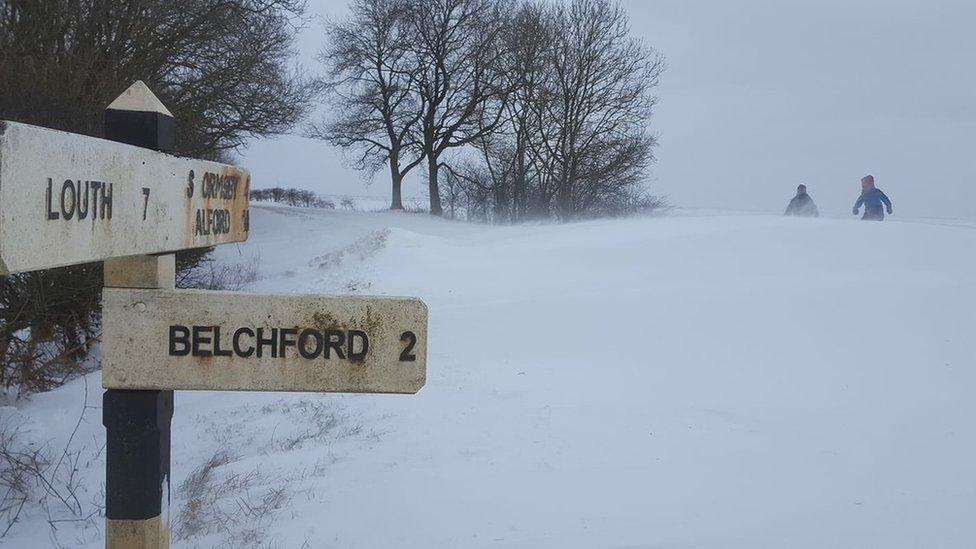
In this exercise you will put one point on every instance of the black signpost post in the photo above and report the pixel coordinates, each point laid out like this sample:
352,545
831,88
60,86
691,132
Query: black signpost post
137,423
137,456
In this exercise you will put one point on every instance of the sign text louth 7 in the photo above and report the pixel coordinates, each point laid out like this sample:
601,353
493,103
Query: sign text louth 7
83,199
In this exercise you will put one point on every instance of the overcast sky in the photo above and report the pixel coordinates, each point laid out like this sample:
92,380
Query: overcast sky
761,95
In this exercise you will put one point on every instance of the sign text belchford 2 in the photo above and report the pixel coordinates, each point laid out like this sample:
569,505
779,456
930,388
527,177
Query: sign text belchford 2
70,199
159,339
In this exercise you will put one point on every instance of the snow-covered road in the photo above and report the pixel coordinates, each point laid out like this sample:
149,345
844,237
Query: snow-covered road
687,381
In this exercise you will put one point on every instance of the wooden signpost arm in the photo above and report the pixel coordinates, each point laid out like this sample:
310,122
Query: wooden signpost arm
137,423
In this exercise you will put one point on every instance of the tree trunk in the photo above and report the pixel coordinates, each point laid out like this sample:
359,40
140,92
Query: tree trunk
501,206
564,199
435,195
397,178
518,188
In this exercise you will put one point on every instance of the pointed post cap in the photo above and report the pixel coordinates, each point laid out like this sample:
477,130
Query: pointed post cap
138,97
139,118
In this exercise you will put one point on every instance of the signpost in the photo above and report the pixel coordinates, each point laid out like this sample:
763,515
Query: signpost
226,341
67,199
83,199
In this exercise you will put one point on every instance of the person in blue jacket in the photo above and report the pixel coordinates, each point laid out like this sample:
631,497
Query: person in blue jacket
874,200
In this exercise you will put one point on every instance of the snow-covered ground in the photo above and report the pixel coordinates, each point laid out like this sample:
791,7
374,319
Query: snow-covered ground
688,381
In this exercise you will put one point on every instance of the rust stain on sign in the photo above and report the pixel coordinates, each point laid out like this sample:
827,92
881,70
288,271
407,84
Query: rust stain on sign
70,199
217,205
230,341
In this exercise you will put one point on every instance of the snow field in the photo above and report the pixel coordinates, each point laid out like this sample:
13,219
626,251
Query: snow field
687,381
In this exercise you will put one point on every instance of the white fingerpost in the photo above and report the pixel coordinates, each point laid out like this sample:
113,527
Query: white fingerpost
137,423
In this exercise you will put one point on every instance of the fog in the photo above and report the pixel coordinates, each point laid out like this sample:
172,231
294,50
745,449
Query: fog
761,95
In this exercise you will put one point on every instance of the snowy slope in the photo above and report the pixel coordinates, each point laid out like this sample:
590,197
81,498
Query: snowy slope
694,381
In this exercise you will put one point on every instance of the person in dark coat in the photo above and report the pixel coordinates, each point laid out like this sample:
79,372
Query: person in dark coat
875,201
802,205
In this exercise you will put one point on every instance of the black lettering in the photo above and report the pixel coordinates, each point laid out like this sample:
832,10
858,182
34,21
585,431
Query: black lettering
145,203
237,342
179,336
217,351
303,343
284,341
270,342
51,214
410,339
95,186
207,185
83,200
360,355
200,339
210,221
106,201
334,339
67,212
219,186
198,224
225,221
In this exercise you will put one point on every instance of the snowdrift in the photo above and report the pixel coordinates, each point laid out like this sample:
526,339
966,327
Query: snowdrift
690,381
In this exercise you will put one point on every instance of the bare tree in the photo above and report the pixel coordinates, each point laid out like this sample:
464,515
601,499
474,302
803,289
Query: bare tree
573,139
277,194
378,114
593,122
536,108
75,56
457,51
306,198
291,197
530,34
